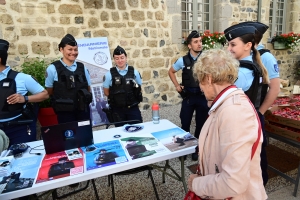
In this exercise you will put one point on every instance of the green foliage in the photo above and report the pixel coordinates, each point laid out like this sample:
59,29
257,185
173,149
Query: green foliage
212,40
291,40
36,67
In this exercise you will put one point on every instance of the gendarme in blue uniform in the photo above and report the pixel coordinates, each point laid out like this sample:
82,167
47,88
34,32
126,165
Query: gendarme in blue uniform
124,113
194,102
67,116
19,133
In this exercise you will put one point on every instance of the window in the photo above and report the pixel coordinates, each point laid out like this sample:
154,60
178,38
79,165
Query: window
196,15
277,17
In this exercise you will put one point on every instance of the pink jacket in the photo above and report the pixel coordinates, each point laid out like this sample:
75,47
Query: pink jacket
225,145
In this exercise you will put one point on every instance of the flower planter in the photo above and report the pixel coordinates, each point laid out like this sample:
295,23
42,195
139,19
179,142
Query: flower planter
47,117
218,45
279,46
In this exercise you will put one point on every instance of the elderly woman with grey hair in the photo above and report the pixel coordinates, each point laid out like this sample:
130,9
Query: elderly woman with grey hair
231,138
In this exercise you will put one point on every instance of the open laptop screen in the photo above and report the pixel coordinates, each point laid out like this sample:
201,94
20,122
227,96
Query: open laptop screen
66,136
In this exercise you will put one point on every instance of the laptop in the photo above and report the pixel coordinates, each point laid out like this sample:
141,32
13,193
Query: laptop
67,136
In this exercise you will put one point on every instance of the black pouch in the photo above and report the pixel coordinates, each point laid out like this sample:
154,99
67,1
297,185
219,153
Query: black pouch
137,91
63,105
183,94
84,99
28,112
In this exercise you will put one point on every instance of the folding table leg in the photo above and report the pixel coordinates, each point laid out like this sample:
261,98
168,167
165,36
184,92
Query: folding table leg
95,189
154,187
165,169
297,181
112,187
182,174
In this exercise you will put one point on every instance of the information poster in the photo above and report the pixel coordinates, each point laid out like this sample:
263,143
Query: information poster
95,55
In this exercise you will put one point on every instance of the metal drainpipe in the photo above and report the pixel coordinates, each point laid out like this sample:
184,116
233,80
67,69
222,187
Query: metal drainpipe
259,11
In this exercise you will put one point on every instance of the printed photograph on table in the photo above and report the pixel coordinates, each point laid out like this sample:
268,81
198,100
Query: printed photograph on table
19,173
58,165
73,154
104,154
139,147
175,139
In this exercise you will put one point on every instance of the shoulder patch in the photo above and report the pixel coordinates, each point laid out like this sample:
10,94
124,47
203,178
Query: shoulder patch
103,78
140,76
276,68
46,74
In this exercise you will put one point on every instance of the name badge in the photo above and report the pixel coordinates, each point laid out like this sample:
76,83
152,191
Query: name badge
5,84
188,67
260,79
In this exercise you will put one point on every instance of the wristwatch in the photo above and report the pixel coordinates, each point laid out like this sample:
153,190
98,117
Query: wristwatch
26,98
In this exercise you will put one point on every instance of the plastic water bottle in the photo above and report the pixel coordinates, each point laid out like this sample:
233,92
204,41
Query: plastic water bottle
155,113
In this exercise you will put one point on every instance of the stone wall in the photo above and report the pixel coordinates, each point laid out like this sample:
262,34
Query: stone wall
149,30
142,27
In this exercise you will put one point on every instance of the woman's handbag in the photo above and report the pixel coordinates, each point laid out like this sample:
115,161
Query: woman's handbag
191,195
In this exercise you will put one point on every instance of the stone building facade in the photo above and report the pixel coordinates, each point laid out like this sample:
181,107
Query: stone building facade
149,30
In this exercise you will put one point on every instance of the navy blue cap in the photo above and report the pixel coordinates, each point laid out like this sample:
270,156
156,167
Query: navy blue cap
69,39
260,27
238,30
4,45
119,51
193,34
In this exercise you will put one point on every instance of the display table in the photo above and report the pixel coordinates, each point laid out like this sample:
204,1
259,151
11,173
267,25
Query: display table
102,136
295,144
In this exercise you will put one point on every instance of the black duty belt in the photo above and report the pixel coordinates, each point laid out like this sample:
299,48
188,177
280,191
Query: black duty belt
195,93
15,122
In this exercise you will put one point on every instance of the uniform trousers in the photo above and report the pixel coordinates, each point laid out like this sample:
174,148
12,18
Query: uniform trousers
263,153
19,133
22,133
127,114
71,116
196,102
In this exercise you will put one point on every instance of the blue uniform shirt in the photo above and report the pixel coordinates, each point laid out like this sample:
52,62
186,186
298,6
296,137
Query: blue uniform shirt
25,83
52,74
270,63
245,76
179,65
108,78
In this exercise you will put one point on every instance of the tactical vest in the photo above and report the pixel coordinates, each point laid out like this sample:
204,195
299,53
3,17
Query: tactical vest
254,92
265,87
8,87
65,90
187,72
124,92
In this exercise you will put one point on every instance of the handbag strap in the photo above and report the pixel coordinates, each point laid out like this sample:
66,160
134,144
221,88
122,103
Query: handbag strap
254,147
